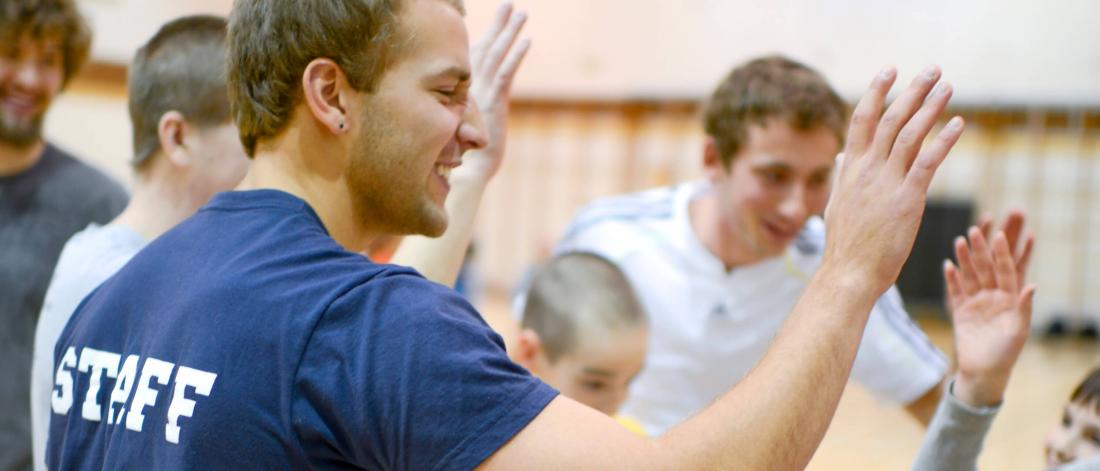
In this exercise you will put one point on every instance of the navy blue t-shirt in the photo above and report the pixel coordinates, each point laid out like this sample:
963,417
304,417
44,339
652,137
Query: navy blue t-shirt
247,338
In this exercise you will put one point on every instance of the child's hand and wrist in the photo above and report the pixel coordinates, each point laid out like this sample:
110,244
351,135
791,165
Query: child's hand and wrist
979,392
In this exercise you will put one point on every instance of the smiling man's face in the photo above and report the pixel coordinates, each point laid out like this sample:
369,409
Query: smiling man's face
773,185
416,125
31,76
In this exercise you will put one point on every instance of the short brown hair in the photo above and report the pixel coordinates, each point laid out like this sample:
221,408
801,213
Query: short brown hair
272,42
1088,392
766,88
182,68
579,291
43,19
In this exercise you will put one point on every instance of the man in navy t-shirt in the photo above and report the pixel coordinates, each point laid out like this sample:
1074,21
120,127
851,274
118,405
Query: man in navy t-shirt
297,351
252,336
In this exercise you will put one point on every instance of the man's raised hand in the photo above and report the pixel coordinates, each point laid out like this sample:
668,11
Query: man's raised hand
882,180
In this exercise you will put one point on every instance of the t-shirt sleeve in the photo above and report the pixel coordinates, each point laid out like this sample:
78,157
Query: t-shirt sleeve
406,375
896,361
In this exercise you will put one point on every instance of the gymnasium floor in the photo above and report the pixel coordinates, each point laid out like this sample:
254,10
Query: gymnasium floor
866,435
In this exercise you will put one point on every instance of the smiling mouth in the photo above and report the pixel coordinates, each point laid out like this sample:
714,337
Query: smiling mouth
778,232
444,171
24,107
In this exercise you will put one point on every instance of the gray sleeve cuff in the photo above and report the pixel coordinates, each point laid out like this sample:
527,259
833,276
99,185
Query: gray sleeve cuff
954,439
1089,464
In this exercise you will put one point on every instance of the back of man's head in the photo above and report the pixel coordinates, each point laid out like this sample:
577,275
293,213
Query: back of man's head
48,19
182,69
766,88
272,41
579,295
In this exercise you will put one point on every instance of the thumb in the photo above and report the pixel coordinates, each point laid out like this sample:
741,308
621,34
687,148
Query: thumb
1025,305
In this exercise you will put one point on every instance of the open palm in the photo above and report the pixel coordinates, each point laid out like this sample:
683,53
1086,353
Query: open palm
991,314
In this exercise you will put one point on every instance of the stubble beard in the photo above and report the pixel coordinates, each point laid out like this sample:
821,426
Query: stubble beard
21,133
387,189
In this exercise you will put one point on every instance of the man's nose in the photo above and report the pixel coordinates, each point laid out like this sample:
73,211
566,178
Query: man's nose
471,132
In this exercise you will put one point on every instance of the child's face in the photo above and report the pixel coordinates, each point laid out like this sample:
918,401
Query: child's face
598,373
1077,437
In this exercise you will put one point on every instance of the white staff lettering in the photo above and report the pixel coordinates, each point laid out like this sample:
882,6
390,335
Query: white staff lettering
62,398
96,363
130,394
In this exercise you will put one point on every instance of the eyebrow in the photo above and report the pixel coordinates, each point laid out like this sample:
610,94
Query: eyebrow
460,73
784,166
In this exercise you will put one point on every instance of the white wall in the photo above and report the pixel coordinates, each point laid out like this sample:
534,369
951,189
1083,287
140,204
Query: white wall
120,26
95,126
994,51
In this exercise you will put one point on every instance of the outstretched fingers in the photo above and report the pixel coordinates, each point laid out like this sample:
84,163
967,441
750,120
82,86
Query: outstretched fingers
1004,265
865,116
911,137
983,259
1013,228
1023,259
481,47
969,277
931,156
902,110
503,80
955,292
502,44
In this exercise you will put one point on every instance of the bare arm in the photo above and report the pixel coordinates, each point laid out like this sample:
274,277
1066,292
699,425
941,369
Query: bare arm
495,59
776,417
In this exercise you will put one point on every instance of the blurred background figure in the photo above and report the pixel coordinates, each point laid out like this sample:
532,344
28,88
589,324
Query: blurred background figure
46,194
186,149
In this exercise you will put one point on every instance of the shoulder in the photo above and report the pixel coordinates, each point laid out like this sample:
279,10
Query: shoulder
400,300
650,204
98,248
811,240
87,186
616,223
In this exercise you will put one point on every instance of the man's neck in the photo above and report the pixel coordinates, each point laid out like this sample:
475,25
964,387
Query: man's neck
154,209
17,159
719,239
280,168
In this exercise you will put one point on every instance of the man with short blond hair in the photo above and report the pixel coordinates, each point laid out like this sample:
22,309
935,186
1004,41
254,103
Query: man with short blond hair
46,194
269,343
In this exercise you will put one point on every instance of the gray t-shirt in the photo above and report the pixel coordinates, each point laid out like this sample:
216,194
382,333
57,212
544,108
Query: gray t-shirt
89,258
40,209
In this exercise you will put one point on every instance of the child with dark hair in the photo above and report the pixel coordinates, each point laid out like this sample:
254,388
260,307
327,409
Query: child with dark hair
1077,438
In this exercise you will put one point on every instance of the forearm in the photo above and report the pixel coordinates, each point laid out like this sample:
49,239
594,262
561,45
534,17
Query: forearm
440,259
954,439
776,417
